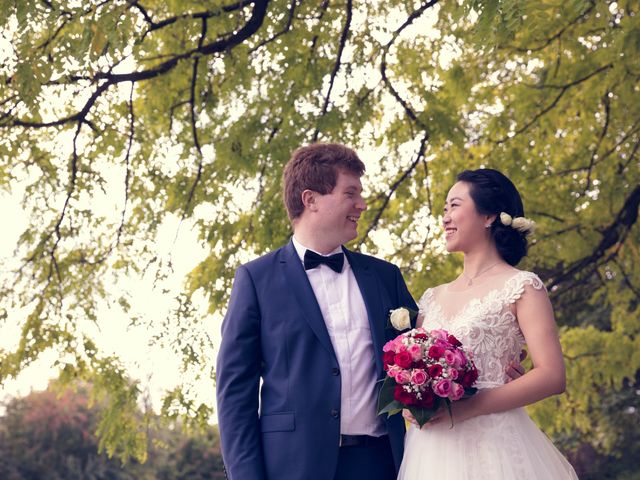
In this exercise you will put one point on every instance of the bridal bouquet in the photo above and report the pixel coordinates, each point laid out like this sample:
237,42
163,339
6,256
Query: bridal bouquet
425,368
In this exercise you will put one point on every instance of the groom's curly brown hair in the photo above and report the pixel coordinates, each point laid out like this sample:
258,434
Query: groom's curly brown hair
316,167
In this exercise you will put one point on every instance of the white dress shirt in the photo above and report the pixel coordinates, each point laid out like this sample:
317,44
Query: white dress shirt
345,316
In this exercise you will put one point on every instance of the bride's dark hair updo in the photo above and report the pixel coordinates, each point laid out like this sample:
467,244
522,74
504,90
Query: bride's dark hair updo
493,193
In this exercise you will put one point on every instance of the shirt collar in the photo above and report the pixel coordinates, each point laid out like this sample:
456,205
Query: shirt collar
301,249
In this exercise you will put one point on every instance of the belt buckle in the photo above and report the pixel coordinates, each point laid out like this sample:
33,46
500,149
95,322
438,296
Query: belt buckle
344,441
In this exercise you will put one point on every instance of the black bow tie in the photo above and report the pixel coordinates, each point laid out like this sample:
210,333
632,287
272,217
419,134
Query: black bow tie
334,262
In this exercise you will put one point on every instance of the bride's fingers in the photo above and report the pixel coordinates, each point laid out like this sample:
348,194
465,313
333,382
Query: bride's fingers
406,414
514,370
432,421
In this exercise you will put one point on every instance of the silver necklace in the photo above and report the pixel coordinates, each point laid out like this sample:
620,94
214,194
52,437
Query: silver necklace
471,279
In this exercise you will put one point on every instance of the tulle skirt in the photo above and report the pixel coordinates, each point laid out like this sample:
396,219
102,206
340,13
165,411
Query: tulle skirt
500,446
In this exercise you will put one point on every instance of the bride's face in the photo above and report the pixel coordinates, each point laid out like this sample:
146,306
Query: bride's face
464,227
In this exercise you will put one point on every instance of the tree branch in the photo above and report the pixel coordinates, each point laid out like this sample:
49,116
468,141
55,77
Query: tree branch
198,15
383,64
555,36
194,128
70,189
563,89
574,82
110,79
314,40
627,281
633,130
336,66
612,235
395,185
622,168
287,27
603,133
127,161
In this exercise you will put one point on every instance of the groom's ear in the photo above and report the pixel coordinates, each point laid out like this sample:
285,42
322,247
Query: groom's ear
309,200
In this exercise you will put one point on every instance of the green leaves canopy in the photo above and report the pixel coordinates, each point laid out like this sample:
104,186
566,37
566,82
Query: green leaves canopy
162,109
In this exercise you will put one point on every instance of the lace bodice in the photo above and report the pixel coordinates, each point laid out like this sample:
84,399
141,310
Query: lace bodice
485,323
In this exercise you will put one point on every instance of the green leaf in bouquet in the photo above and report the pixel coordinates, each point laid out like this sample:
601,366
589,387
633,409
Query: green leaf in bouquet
469,391
422,415
448,403
392,408
386,402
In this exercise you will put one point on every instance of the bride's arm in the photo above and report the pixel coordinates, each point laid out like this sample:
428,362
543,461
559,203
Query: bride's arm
546,378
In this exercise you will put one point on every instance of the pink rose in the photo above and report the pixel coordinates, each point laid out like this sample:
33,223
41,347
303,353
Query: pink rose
403,376
453,373
418,376
393,370
399,346
390,346
415,351
441,343
449,357
439,334
443,388
460,359
456,392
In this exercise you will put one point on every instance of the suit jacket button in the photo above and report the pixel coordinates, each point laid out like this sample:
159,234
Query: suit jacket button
335,371
335,413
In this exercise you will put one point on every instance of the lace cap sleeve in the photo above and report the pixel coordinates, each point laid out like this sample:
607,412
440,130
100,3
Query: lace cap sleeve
425,300
514,288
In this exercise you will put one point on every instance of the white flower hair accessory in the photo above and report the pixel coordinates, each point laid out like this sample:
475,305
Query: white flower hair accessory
522,224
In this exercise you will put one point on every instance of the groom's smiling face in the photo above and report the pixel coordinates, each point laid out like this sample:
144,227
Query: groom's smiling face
336,214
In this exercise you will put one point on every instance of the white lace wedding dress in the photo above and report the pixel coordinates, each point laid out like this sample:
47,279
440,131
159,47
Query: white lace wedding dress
499,446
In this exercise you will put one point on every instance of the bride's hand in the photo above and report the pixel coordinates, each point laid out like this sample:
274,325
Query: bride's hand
437,417
408,416
515,369
461,410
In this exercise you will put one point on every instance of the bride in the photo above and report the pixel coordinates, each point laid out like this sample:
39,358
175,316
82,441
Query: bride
494,309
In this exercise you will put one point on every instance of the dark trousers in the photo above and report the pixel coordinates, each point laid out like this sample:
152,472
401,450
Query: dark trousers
368,462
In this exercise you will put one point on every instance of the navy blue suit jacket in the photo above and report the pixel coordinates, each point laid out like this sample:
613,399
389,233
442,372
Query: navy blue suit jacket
288,426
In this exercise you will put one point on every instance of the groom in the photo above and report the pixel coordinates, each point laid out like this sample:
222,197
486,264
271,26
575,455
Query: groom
302,339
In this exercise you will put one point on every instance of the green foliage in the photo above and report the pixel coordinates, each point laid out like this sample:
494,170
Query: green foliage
48,436
192,108
52,434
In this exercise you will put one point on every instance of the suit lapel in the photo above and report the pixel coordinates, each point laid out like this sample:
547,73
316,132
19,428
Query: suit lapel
303,293
370,290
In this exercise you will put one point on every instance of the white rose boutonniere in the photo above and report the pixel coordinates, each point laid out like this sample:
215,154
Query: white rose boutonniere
401,318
